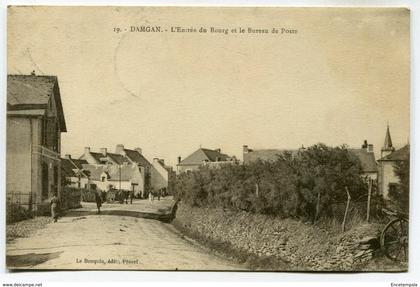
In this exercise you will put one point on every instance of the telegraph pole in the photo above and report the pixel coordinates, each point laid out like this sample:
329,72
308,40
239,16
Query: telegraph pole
119,166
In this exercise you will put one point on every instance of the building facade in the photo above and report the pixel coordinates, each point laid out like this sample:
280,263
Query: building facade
122,177
387,179
154,175
35,121
202,157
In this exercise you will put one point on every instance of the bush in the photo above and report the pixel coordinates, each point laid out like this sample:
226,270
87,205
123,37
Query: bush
70,197
301,184
88,195
15,212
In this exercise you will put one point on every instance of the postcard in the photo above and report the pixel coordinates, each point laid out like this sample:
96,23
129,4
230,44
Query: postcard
208,138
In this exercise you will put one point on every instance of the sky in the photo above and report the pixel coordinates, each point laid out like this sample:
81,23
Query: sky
340,79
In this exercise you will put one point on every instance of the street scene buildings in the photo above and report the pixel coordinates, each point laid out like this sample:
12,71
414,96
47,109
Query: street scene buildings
35,121
156,151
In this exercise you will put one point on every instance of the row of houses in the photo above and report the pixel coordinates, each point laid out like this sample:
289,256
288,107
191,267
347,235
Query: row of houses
35,169
380,171
124,169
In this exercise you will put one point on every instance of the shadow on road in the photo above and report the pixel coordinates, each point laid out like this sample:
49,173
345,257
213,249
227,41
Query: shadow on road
30,259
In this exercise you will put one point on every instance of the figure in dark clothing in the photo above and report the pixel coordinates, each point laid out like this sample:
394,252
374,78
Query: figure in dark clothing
131,196
54,207
103,196
126,195
98,200
121,196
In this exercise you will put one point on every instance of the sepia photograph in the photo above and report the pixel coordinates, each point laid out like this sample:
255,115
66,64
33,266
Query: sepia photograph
208,138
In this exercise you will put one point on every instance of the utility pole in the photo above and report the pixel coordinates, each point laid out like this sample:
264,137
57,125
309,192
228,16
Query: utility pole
370,183
119,166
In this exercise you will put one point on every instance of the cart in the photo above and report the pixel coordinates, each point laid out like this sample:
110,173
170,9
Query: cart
394,237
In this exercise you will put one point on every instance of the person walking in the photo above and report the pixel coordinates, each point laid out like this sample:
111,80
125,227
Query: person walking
150,195
126,196
54,206
131,196
98,200
159,194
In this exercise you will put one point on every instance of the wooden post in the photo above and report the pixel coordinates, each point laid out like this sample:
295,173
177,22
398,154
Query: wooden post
343,225
318,203
257,189
370,183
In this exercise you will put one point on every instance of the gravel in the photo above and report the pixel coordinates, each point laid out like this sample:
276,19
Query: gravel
26,227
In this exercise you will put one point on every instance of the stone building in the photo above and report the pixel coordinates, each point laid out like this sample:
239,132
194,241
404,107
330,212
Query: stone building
155,175
387,179
110,176
366,156
204,156
35,121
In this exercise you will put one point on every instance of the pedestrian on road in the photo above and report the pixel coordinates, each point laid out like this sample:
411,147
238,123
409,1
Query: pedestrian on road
121,197
159,193
131,196
151,195
98,200
126,196
54,206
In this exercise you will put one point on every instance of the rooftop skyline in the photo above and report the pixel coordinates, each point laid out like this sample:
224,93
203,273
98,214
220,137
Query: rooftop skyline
339,80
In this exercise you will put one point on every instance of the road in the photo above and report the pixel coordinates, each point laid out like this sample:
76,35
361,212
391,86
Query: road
116,239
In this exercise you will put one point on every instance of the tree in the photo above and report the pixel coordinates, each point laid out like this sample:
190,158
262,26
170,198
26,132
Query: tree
401,194
325,172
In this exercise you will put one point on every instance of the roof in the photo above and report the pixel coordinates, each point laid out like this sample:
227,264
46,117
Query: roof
119,159
97,156
113,171
203,154
367,159
264,154
388,141
67,168
69,165
398,155
162,164
137,157
28,92
79,162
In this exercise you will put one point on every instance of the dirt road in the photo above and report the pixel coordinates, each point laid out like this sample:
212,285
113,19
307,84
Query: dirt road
85,240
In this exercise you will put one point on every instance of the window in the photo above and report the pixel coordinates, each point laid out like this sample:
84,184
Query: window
103,178
392,190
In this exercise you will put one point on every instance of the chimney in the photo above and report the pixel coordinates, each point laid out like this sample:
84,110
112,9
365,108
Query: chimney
218,150
370,148
87,149
245,149
365,144
179,159
103,151
67,156
137,149
119,149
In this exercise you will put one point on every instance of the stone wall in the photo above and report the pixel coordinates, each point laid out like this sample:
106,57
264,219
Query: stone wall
301,246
